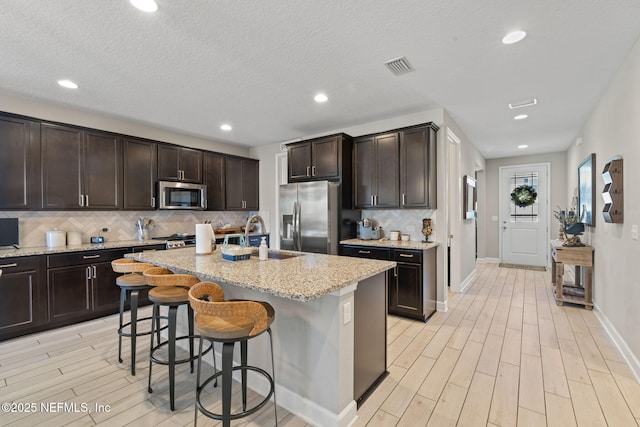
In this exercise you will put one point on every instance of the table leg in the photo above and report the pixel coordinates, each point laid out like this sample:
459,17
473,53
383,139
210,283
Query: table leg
588,287
553,271
559,282
578,278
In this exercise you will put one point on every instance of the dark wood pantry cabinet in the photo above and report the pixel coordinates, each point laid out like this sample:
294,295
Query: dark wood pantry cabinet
418,177
140,159
19,161
213,167
241,178
81,169
177,163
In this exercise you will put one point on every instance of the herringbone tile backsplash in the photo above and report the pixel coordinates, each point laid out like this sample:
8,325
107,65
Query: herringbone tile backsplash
121,225
403,220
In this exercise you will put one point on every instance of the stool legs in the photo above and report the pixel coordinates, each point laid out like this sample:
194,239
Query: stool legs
227,374
134,328
123,297
173,311
243,362
273,376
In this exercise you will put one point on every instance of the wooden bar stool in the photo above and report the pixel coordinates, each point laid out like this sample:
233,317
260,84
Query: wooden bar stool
170,290
131,283
229,322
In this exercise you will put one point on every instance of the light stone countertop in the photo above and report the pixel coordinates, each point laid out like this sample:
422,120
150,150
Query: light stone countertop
396,244
45,250
302,278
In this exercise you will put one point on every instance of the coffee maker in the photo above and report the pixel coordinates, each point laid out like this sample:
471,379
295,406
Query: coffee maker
368,230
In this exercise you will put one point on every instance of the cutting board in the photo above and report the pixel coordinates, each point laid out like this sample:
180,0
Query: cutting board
232,230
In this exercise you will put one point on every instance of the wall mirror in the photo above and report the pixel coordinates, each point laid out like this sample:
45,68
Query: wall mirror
586,189
470,195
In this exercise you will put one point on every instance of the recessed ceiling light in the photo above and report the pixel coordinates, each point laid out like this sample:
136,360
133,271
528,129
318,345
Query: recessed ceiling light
522,146
321,97
521,116
523,103
226,127
145,5
68,84
514,37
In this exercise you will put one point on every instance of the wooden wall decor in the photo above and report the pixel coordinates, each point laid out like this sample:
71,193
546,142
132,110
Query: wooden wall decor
613,194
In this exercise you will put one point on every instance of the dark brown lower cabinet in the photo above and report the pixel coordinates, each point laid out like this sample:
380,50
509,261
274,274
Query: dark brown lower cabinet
23,304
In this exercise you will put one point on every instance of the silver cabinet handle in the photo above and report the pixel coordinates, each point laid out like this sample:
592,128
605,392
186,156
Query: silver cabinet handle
406,255
87,200
93,268
308,171
395,271
313,171
88,273
153,202
372,200
8,265
404,199
81,200
364,252
90,256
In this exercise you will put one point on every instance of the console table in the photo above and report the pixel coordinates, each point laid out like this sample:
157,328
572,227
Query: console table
582,258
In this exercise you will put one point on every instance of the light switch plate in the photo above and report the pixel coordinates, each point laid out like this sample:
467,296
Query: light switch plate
634,232
346,312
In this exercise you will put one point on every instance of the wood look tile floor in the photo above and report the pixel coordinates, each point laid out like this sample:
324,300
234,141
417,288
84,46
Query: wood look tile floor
503,355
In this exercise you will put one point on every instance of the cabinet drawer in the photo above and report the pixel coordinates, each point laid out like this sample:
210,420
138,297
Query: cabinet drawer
80,258
366,252
405,255
18,264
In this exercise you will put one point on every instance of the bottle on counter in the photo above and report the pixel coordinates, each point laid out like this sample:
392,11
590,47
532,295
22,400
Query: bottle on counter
263,250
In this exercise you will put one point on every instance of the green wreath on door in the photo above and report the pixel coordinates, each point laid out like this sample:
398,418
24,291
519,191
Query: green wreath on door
524,195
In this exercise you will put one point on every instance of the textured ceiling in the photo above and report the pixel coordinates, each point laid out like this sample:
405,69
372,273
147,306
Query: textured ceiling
256,64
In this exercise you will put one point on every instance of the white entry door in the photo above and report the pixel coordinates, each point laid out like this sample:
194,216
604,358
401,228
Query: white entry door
524,229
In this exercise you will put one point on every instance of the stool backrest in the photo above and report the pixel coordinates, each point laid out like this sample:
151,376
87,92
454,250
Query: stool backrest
207,299
126,265
160,276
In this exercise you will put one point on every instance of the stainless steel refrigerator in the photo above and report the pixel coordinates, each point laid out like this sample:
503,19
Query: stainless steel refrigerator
312,217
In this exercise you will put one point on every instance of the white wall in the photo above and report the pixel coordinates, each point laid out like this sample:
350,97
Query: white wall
58,113
558,196
614,128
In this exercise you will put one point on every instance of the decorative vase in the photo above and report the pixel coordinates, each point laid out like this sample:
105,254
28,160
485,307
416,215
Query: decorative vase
426,229
573,232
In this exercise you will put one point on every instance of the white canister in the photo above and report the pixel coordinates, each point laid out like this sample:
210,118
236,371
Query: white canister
406,237
74,238
394,235
56,238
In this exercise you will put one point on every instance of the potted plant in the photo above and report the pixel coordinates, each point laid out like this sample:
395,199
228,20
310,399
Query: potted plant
572,224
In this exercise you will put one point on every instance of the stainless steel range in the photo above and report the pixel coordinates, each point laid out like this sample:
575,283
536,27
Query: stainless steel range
179,240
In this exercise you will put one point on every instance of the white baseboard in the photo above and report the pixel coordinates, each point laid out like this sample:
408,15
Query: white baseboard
620,343
442,305
467,281
488,260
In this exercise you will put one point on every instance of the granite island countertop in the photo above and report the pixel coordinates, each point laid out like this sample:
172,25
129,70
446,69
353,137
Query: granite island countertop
45,250
302,278
395,244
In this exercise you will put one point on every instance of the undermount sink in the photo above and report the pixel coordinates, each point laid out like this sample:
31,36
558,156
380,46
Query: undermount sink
277,255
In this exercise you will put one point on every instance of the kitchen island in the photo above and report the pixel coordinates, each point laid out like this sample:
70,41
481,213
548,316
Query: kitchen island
329,330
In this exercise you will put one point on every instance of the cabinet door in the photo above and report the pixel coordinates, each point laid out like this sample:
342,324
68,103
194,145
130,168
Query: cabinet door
364,185
168,162
250,184
405,293
18,156
140,166
415,168
69,290
61,173
22,306
299,161
387,171
214,178
191,165
324,158
106,294
233,183
102,171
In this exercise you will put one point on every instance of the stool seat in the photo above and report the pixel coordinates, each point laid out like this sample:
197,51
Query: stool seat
126,265
230,327
131,281
168,295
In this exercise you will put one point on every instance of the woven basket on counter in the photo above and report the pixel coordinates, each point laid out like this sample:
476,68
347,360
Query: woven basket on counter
235,252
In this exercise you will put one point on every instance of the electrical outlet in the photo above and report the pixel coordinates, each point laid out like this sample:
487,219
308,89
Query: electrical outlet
634,232
411,228
346,308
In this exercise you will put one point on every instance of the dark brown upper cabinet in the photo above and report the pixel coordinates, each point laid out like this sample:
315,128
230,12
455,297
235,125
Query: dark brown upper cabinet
328,157
140,160
376,164
241,182
418,167
81,169
19,160
179,163
214,179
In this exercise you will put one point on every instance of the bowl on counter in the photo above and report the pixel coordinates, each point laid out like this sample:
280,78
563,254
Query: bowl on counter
405,237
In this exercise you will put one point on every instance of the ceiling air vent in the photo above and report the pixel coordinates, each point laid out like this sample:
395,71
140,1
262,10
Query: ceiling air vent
399,66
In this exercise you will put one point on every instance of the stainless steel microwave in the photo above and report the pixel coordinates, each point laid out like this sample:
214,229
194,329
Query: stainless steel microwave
182,195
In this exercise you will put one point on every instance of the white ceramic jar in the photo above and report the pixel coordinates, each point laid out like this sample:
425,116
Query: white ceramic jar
56,238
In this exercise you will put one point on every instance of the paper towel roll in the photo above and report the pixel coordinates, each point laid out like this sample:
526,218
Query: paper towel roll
204,238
